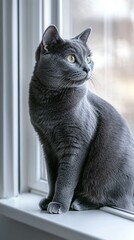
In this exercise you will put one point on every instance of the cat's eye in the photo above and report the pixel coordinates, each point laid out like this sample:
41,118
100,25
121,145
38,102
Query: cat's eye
88,59
71,58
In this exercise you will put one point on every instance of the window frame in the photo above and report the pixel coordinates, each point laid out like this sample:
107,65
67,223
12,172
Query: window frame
9,141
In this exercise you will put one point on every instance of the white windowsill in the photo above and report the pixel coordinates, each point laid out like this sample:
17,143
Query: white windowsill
85,225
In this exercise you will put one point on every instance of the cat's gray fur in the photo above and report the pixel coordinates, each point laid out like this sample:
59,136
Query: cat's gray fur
89,149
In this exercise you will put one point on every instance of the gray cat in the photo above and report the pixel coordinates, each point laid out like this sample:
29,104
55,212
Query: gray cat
89,149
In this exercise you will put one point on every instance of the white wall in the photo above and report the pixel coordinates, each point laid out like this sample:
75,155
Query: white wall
13,230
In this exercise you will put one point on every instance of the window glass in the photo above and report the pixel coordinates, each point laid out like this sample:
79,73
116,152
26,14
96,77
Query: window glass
112,45
43,172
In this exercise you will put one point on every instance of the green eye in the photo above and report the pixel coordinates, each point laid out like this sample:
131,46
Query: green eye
88,59
71,58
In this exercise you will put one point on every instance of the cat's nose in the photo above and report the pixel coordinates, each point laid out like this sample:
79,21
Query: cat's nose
86,69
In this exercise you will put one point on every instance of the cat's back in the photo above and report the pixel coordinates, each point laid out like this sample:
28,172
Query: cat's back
112,127
105,110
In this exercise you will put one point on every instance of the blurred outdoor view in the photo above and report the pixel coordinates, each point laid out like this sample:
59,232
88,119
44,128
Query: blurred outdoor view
112,45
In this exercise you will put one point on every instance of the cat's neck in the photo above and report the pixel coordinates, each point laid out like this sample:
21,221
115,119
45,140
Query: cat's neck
60,98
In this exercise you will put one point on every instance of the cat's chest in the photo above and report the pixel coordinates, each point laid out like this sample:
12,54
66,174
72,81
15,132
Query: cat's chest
75,124
43,119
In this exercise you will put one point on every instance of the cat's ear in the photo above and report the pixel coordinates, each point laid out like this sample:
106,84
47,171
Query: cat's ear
51,37
84,35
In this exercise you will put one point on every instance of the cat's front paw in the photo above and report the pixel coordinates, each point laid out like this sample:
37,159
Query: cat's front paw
55,207
43,204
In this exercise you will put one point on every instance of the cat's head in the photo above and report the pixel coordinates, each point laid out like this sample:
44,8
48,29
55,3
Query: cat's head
63,63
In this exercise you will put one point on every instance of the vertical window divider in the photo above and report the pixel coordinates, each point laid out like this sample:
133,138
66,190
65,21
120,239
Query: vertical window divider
30,32
9,99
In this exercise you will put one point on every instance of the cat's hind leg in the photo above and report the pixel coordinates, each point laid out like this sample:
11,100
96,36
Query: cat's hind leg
79,204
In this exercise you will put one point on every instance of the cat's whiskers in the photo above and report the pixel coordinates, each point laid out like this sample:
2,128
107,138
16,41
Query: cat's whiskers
65,87
93,82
